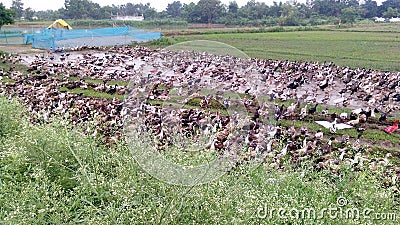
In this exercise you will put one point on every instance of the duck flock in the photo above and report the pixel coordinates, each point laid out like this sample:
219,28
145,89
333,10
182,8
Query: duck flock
222,100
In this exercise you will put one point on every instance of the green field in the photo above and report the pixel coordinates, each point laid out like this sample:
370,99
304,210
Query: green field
356,49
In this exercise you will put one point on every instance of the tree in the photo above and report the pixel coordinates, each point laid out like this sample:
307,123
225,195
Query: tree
303,11
29,13
233,7
370,9
209,9
83,9
349,15
327,7
6,15
275,10
254,10
174,9
394,4
106,12
289,15
391,12
18,8
150,14
75,9
351,3
190,13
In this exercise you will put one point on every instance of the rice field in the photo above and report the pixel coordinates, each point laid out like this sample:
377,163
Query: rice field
356,49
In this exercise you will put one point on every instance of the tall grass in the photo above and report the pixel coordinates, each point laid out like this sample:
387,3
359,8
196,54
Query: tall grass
10,114
54,174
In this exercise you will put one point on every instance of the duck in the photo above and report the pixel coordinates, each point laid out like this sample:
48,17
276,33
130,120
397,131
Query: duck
283,152
339,100
383,117
363,118
343,115
354,122
324,84
312,110
291,110
392,128
319,135
303,112
334,125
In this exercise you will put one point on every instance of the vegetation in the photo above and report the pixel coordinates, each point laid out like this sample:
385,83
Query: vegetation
290,13
151,24
54,174
90,92
6,15
18,8
99,81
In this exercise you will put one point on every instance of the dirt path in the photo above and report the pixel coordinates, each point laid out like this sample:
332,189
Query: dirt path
18,49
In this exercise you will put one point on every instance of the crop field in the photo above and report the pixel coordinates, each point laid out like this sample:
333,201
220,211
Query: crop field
375,50
65,159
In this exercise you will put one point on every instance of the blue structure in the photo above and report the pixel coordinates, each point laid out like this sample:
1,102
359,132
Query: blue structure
60,38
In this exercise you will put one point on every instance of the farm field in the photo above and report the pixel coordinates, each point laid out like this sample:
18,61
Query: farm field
57,171
372,50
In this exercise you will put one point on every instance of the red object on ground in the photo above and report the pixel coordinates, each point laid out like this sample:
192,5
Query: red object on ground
153,70
393,128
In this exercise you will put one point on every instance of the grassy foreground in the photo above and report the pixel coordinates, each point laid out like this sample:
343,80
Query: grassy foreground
53,174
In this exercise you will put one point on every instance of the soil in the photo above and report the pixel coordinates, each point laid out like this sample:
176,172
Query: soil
18,49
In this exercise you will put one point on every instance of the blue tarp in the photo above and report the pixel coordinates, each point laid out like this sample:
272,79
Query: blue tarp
53,38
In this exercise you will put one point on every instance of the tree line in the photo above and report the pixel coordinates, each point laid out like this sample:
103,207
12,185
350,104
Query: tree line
290,13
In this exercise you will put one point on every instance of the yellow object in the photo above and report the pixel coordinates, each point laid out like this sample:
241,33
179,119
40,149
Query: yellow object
60,23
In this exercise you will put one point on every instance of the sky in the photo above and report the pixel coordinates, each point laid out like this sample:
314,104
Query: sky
159,5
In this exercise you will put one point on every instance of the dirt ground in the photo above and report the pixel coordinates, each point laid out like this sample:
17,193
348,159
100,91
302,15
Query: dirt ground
20,49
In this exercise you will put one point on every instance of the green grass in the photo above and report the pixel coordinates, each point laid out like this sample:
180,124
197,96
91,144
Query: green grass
119,83
11,40
19,67
54,174
99,81
89,92
375,50
374,27
8,80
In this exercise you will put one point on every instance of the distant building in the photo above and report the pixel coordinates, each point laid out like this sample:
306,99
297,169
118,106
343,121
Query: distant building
380,19
391,20
130,18
33,18
394,20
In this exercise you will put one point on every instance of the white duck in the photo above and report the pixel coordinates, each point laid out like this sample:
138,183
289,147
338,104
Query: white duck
339,100
334,125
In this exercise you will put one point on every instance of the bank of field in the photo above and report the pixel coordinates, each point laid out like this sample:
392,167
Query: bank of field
51,174
364,49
